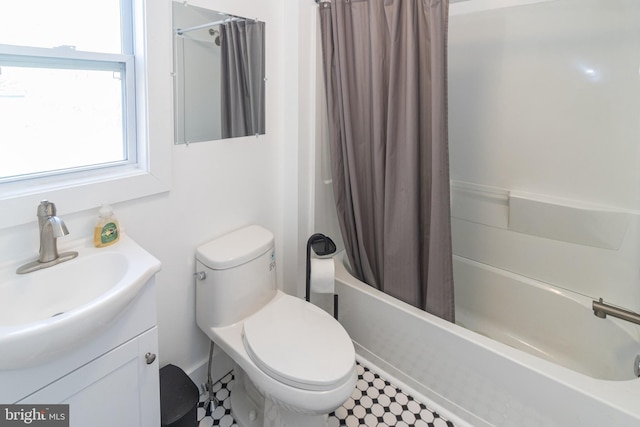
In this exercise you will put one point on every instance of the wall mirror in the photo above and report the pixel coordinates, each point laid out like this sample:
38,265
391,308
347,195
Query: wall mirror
219,75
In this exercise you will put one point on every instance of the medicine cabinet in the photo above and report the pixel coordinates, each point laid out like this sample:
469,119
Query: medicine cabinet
219,75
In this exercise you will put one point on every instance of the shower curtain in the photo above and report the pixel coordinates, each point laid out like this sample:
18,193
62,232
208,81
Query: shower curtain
385,68
242,78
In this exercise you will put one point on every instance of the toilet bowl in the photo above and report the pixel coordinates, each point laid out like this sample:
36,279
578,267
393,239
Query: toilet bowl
293,362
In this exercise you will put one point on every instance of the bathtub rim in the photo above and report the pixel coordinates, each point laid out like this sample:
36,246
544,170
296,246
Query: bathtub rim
620,395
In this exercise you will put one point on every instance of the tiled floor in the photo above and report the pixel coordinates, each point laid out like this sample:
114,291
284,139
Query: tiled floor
375,402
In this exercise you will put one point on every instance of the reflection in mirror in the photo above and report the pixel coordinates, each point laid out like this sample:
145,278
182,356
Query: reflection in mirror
219,75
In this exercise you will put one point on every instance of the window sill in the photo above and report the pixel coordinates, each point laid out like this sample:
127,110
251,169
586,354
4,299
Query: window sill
78,194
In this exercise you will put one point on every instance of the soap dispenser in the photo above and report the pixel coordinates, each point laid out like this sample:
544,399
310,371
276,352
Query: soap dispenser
107,230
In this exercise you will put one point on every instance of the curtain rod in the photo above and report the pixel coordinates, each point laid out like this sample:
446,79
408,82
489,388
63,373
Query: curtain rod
181,31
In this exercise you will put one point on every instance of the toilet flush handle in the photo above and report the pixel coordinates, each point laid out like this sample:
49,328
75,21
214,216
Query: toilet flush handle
200,275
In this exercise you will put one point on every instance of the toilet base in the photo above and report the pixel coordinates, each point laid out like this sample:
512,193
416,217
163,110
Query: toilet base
247,404
250,408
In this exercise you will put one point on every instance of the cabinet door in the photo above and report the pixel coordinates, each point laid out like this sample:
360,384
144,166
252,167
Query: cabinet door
117,389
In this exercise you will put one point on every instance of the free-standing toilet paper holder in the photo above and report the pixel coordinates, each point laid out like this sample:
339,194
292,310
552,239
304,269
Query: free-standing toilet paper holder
322,245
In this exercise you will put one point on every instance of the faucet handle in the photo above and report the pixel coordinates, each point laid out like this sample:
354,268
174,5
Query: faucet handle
46,208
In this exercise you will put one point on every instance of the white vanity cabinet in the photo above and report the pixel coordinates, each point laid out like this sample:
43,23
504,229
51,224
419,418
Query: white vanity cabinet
111,380
117,389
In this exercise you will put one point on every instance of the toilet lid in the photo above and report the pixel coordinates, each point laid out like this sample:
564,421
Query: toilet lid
299,344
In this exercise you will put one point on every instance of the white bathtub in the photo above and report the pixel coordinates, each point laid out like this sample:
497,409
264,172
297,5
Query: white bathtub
583,377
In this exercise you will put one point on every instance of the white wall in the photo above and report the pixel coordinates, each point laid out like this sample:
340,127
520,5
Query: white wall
216,187
300,74
543,103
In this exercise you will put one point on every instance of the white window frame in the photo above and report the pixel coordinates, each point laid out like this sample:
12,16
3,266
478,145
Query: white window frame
66,58
151,171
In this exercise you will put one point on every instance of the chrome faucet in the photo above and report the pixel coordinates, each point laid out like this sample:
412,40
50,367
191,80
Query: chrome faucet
51,227
602,309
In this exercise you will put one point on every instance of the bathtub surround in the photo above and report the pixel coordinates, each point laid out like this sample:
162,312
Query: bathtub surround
385,66
566,96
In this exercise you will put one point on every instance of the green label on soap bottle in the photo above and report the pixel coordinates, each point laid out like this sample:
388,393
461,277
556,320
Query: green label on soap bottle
109,233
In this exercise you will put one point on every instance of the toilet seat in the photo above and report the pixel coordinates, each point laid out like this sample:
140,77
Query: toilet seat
299,344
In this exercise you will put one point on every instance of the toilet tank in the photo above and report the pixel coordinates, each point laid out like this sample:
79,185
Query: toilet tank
240,270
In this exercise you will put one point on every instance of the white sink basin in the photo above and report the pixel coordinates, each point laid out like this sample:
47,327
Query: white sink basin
48,312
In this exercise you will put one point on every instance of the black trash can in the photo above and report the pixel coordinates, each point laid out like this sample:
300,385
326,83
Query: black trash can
178,398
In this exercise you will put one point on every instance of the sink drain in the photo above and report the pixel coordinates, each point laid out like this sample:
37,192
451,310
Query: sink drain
62,312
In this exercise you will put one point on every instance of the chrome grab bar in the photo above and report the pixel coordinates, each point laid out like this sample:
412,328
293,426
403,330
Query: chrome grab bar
601,310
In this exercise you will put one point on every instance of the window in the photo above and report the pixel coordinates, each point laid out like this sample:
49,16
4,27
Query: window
83,99
66,86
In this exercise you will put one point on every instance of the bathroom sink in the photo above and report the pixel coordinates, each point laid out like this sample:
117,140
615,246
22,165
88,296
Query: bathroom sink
48,312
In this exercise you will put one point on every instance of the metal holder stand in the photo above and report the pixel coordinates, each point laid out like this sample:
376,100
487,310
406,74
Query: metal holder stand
322,246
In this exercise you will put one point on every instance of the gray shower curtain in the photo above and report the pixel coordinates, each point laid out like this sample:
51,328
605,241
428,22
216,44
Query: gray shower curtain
242,78
385,67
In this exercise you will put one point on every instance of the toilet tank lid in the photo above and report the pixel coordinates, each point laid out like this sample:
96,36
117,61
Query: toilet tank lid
235,248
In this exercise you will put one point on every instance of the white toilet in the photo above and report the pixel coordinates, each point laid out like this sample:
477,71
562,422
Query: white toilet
293,362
